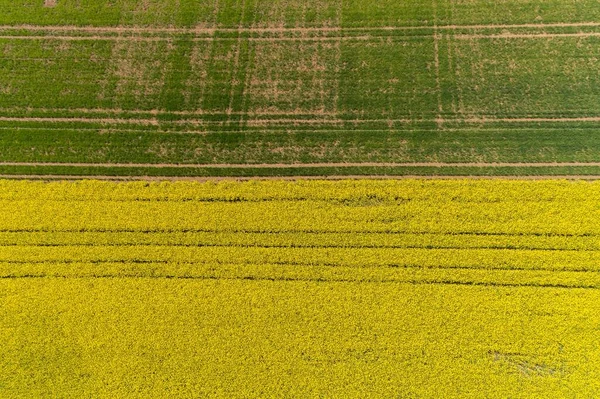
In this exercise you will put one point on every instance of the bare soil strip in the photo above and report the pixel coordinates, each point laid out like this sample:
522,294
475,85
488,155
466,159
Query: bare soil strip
236,64
516,26
155,122
290,121
140,29
283,130
309,165
508,35
196,39
94,38
438,84
299,112
109,121
266,122
119,111
211,31
295,178
519,120
346,37
436,58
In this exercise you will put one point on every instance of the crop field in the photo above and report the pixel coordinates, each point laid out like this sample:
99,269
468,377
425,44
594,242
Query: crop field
199,88
402,289
332,272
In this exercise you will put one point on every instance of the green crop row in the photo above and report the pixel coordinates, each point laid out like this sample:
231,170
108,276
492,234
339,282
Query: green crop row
231,13
139,146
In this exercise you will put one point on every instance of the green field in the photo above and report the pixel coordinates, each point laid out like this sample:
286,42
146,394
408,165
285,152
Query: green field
299,82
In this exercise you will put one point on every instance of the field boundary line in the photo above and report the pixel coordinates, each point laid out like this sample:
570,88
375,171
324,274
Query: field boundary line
101,230
297,178
312,165
205,132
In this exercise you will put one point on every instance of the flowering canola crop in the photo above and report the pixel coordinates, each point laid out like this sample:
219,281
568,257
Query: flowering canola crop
445,289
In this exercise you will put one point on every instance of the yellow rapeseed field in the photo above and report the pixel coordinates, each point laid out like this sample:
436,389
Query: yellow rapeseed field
350,289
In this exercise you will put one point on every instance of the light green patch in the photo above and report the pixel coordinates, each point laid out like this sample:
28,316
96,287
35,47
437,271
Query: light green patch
138,70
296,77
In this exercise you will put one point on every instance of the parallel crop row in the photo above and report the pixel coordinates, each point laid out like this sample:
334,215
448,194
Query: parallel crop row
463,231
343,289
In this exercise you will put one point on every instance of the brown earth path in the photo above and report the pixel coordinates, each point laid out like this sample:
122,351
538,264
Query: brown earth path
508,35
86,120
261,122
310,165
198,112
212,30
196,39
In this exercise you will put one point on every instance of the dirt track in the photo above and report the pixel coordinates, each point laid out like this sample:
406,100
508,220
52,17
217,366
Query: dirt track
311,165
212,30
261,122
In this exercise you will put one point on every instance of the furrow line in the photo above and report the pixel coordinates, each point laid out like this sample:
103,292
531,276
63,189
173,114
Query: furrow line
295,246
317,280
383,232
300,265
